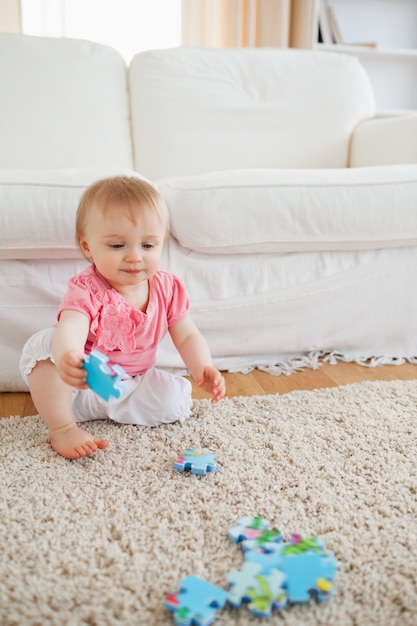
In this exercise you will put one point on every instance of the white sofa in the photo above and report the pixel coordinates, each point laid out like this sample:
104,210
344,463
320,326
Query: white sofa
293,205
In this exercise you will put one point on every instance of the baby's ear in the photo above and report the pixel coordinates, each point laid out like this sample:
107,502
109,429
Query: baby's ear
84,248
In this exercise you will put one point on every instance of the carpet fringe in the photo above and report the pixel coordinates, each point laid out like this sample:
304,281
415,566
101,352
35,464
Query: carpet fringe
314,360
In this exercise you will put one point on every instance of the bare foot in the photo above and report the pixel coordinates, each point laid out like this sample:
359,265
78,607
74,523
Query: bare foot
72,442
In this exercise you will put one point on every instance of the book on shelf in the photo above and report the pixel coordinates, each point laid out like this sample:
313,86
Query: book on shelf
334,27
325,33
330,33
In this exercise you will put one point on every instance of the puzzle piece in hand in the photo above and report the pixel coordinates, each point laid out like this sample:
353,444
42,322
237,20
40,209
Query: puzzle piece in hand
196,602
248,528
102,378
195,460
262,592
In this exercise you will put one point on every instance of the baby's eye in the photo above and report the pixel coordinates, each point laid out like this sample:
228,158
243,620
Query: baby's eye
147,246
116,246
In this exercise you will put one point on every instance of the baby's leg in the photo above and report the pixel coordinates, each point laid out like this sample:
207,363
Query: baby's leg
53,400
154,398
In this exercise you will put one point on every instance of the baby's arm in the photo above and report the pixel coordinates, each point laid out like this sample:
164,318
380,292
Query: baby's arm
68,347
50,386
195,353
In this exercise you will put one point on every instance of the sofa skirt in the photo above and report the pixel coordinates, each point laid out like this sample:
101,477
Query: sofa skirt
273,312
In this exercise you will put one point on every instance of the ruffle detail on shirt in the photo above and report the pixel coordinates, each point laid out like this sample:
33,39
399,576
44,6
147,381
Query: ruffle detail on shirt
116,324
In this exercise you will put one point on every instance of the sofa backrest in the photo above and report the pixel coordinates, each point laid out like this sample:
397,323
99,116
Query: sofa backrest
63,104
197,110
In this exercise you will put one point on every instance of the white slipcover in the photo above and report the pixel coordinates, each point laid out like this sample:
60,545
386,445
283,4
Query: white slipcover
287,252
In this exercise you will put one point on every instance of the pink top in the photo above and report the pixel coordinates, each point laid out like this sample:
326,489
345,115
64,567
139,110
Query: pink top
128,336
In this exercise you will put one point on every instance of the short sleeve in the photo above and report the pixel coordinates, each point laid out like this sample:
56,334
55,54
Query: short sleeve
78,297
179,305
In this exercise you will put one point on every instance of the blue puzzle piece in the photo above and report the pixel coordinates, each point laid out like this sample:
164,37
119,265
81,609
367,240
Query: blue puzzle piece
196,603
307,567
195,460
297,545
264,539
101,378
269,560
262,592
240,581
248,528
307,573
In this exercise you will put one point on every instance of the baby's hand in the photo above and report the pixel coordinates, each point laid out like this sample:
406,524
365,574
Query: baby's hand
70,369
213,382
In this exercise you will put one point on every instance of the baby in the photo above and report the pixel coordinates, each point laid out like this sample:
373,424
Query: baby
122,305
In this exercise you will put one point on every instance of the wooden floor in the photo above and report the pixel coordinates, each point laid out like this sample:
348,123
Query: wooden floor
260,383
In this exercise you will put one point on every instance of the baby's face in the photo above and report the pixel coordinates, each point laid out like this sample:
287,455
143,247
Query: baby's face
126,253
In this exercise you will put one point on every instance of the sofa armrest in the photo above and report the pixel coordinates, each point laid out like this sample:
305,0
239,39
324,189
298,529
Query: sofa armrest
385,141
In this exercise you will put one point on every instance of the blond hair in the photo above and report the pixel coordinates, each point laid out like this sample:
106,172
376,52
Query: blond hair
128,194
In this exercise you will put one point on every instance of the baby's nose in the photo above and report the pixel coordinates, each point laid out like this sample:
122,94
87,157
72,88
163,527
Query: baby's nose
134,254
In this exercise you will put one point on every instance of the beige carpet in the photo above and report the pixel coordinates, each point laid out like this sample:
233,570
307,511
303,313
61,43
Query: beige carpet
101,541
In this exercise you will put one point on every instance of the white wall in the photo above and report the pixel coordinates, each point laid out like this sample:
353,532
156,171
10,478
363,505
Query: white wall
127,25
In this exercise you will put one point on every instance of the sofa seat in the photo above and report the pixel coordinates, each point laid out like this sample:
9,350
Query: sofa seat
38,207
274,211
239,212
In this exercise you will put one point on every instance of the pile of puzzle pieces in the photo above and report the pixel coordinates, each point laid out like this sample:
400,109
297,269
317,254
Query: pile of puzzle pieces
275,573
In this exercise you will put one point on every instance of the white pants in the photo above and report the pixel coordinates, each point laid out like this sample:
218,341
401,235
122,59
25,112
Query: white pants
153,398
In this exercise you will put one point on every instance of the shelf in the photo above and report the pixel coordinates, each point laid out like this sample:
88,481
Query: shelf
393,24
391,63
371,50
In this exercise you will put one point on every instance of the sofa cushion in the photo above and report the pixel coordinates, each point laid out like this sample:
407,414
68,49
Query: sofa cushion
64,103
198,110
259,211
385,140
37,211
